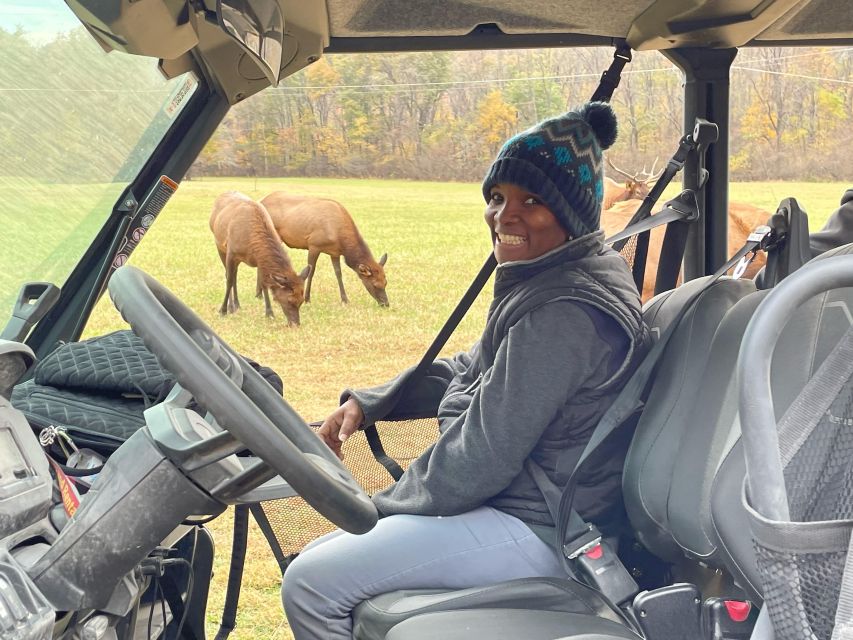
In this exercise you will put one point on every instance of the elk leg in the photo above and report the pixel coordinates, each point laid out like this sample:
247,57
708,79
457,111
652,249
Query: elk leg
266,293
230,283
234,297
336,263
313,254
260,286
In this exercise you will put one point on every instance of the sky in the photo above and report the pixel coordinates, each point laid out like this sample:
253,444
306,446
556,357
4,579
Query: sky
42,20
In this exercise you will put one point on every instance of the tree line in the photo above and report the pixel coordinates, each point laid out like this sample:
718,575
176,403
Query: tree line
444,115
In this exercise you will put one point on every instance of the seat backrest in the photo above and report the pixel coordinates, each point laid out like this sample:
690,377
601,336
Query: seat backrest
669,414
684,471
686,427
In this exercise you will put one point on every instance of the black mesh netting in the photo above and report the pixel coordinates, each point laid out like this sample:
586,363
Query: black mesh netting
801,590
801,566
818,477
295,524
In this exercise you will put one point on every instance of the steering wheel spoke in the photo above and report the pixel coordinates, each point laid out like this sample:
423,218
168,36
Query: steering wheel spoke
253,476
211,450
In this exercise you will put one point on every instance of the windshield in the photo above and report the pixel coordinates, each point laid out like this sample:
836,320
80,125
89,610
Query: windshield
77,126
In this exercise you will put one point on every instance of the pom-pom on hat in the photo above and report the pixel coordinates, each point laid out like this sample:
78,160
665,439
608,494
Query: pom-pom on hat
560,160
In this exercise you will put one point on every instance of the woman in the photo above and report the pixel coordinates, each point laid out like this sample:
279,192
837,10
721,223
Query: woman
563,333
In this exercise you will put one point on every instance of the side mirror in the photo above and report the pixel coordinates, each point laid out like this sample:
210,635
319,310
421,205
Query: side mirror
258,27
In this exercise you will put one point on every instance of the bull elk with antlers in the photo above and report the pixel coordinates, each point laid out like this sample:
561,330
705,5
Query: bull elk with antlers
636,185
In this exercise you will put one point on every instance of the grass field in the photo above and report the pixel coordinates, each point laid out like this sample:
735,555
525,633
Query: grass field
435,239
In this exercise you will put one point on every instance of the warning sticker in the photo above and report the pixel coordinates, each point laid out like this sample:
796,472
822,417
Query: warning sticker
70,496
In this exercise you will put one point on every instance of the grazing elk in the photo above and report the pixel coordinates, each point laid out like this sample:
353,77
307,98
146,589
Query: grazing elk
743,218
322,225
245,233
636,186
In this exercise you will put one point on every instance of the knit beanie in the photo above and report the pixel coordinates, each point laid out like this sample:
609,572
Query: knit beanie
560,161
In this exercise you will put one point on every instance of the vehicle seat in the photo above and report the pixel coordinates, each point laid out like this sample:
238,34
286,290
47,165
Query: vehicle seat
508,623
690,413
678,376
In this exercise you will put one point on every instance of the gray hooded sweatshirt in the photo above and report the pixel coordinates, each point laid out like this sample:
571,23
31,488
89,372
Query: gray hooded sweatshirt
563,331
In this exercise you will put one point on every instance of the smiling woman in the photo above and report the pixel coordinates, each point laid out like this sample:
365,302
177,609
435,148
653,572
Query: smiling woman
522,227
563,332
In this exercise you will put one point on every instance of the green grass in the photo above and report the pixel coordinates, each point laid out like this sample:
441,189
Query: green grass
436,241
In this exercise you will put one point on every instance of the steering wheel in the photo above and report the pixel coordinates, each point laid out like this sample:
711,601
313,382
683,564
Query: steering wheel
253,413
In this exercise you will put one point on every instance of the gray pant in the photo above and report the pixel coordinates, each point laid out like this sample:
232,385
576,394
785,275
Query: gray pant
337,571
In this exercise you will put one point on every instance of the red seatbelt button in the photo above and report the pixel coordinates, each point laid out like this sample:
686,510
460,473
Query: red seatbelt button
595,553
738,611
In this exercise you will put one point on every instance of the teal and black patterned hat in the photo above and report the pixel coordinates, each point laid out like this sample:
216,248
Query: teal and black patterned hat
560,160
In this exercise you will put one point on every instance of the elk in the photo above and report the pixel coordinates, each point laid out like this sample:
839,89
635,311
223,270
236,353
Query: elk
743,218
244,233
322,225
636,186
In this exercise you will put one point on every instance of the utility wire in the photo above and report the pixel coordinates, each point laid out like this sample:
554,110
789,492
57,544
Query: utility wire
792,75
822,52
464,83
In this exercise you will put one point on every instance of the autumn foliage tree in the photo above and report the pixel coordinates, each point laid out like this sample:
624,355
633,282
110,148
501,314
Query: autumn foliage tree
443,115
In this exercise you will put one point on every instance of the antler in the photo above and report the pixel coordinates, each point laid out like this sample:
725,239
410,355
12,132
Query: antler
618,170
650,176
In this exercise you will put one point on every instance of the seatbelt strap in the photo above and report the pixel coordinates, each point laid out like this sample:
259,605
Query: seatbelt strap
672,211
675,242
611,77
235,572
572,532
429,357
266,528
378,451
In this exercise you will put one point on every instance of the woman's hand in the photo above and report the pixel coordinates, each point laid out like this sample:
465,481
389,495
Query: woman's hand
340,425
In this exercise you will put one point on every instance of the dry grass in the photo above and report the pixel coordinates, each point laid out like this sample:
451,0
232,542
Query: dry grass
436,241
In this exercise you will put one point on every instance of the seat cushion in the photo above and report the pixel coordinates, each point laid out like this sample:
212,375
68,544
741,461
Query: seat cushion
373,618
509,624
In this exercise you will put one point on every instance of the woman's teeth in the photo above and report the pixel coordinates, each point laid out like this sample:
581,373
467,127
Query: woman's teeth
507,239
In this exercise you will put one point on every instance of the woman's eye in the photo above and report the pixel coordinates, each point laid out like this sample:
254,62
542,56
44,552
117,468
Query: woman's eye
532,200
496,197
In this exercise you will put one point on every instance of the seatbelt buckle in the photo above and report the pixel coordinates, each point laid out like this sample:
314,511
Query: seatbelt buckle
761,234
582,543
601,568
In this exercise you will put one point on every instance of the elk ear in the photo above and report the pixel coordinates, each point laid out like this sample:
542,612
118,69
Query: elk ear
383,259
305,272
281,281
363,270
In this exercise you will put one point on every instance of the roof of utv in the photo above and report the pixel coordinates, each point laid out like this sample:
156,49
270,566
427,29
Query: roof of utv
185,34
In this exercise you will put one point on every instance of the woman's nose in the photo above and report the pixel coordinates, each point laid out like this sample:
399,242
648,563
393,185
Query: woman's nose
507,212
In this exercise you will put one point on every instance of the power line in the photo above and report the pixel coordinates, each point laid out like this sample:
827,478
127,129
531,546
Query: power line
822,52
793,75
464,83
